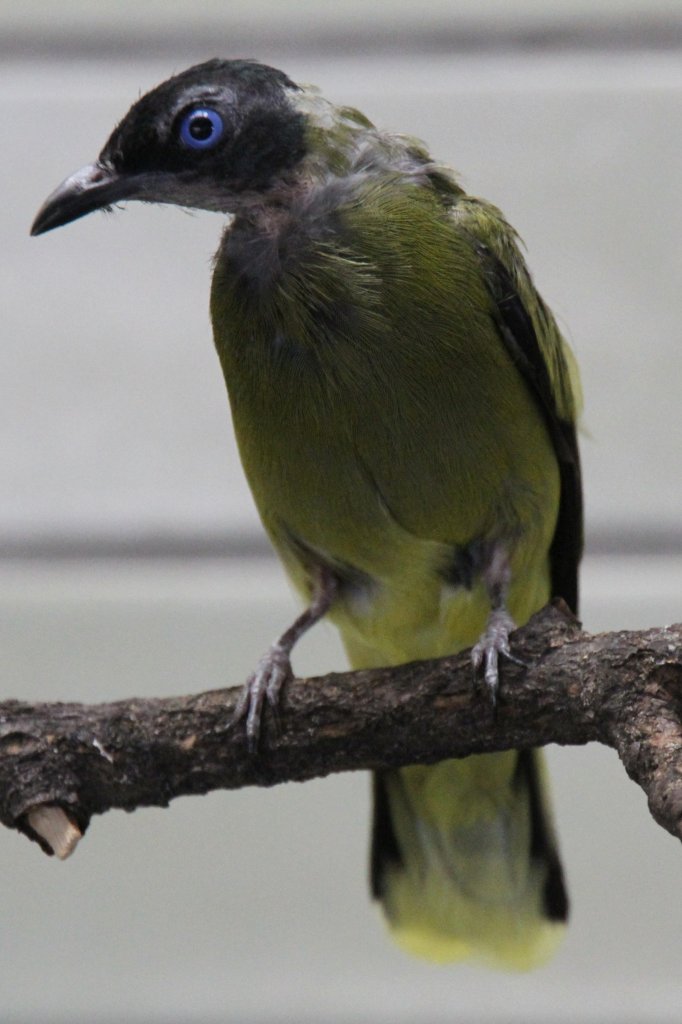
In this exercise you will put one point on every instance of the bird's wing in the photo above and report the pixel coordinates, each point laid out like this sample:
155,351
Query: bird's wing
542,356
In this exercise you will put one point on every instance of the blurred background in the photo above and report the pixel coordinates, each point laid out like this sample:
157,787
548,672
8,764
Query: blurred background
131,557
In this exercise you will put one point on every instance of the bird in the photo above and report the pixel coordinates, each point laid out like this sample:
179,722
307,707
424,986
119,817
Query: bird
406,412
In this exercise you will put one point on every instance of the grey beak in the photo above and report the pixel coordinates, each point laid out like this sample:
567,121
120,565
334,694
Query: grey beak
91,188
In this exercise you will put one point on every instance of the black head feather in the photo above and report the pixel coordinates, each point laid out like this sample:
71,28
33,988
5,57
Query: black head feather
263,134
261,137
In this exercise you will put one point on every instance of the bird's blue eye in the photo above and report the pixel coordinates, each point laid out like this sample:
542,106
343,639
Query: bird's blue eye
201,128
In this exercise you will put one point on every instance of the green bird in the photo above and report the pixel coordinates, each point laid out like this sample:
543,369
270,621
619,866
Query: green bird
405,408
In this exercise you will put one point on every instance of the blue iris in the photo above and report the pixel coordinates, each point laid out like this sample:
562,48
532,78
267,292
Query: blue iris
201,128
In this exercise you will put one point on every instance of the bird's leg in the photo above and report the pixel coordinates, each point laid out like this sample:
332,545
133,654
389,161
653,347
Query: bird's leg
274,668
494,641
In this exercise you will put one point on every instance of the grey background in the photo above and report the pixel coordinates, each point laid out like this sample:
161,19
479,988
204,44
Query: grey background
131,559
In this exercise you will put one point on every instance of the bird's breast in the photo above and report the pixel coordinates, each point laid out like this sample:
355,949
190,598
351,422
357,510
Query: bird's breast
381,423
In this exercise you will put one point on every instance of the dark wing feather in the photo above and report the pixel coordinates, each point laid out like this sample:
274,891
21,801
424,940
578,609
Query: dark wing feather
520,338
533,340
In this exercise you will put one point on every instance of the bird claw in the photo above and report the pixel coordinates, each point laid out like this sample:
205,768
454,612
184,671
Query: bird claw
493,644
263,685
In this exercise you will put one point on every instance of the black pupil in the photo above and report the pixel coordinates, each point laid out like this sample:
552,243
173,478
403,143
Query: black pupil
201,127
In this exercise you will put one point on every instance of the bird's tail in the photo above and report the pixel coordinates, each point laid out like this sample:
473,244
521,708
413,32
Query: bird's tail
465,862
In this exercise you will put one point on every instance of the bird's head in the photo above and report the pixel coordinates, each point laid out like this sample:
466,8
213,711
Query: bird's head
203,139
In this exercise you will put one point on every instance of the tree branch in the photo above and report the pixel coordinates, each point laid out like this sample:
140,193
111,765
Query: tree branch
621,689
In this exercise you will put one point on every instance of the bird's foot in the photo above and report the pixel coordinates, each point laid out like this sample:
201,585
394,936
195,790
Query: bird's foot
263,685
493,643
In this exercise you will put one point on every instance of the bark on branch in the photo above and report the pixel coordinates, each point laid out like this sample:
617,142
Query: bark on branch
62,763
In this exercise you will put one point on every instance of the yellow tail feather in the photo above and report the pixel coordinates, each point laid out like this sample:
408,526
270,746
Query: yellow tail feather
464,860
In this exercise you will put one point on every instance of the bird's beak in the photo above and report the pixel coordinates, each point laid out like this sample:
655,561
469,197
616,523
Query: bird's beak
93,187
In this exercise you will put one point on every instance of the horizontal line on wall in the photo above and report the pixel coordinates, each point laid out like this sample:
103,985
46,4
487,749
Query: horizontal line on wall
198,42
170,545
190,546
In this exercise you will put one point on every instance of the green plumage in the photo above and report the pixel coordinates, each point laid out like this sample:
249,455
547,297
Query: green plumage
380,419
405,408
383,423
